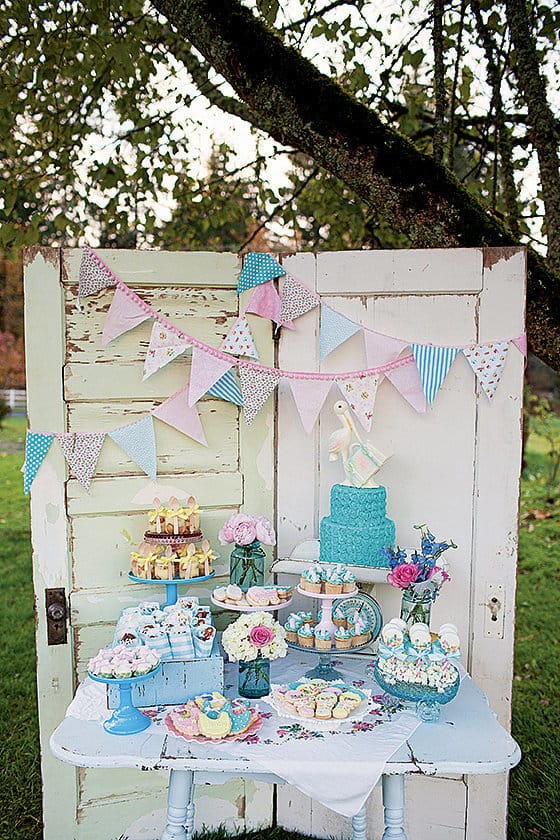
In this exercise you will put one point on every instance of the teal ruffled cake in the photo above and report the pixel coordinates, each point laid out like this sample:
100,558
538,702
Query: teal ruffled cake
357,528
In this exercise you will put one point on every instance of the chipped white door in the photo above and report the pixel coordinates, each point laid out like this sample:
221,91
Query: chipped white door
456,468
76,385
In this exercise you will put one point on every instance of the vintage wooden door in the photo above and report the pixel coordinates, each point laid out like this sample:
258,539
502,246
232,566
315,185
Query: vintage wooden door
75,385
456,468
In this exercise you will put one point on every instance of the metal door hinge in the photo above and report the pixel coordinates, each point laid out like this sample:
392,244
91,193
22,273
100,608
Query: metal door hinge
57,616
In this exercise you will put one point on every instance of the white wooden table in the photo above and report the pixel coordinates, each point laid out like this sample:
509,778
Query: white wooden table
467,740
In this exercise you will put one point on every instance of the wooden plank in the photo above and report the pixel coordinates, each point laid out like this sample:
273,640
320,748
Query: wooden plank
149,268
44,311
438,271
174,450
205,314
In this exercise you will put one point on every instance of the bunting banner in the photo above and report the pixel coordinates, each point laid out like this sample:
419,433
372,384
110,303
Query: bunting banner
124,314
258,268
239,340
265,302
94,274
256,386
433,364
206,370
487,361
295,300
82,451
381,349
406,380
37,444
177,412
335,330
226,388
138,441
309,396
164,346
360,394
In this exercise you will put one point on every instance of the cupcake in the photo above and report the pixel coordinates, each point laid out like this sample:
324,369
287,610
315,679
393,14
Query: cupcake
323,639
348,581
339,616
306,616
311,580
333,582
342,638
292,625
305,635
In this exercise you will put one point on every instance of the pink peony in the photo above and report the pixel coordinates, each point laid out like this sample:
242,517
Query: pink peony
228,533
265,531
225,535
244,533
403,575
261,636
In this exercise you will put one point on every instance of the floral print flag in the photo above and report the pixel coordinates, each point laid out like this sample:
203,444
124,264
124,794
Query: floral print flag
360,393
487,361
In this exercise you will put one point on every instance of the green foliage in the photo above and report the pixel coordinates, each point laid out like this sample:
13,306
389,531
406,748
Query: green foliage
545,427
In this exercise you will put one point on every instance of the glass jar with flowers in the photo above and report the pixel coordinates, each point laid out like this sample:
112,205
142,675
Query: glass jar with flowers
253,640
420,576
246,565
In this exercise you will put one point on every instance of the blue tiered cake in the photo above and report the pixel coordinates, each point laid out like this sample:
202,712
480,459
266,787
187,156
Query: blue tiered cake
357,528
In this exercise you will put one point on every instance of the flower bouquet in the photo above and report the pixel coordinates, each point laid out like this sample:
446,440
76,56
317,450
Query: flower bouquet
253,640
420,576
247,531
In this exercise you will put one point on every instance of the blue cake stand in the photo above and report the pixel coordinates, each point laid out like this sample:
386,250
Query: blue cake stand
126,719
171,585
428,700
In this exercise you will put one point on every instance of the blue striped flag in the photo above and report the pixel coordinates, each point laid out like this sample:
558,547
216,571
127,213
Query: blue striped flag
433,364
226,388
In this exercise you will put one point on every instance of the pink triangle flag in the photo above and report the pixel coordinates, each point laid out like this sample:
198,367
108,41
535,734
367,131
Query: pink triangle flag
165,345
360,393
265,301
206,369
239,340
381,349
406,379
177,412
296,300
256,386
487,361
309,396
82,451
124,314
520,342
94,274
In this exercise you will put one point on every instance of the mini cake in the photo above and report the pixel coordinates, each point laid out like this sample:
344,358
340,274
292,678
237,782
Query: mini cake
342,638
305,635
339,616
332,582
292,625
323,639
311,580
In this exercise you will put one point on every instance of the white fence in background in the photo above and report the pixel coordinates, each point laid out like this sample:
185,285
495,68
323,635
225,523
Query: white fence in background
16,399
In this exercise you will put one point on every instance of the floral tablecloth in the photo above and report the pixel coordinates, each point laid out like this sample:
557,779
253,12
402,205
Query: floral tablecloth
338,768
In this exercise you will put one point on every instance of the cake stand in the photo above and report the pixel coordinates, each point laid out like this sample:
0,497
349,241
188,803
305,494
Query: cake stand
171,585
324,670
126,719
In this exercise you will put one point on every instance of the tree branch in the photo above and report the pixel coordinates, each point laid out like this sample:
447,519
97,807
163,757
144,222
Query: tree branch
439,80
297,105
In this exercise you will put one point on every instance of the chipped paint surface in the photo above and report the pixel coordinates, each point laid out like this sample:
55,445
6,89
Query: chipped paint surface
493,255
50,255
265,457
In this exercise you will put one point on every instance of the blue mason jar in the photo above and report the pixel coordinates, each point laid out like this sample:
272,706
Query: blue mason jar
246,565
254,677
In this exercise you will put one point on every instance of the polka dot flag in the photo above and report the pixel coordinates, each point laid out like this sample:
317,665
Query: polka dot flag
37,445
258,268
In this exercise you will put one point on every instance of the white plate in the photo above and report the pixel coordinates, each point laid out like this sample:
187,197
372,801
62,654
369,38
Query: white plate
242,608
363,709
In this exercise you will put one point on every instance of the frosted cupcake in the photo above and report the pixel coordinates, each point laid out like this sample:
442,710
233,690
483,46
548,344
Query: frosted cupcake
333,582
339,616
342,638
305,635
348,581
323,639
310,580
292,626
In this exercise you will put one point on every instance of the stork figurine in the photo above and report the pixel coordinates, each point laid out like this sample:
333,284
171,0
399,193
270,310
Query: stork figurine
360,459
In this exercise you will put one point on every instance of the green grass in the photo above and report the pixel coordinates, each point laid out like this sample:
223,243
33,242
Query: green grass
13,430
534,801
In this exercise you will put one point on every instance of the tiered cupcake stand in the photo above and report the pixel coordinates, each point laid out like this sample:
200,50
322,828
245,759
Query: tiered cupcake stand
172,540
325,670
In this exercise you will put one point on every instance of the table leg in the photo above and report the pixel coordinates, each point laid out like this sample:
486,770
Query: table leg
180,806
359,824
393,806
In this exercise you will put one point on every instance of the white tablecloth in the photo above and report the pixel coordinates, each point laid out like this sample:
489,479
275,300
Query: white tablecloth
338,768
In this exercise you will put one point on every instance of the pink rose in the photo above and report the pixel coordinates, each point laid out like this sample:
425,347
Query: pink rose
264,530
261,636
403,575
